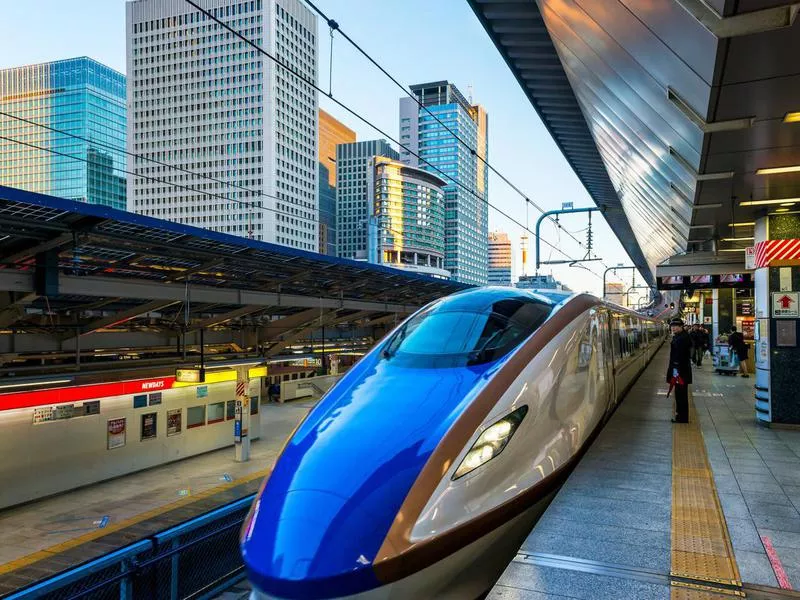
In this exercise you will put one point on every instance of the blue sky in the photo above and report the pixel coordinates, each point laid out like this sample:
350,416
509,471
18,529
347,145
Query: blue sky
416,41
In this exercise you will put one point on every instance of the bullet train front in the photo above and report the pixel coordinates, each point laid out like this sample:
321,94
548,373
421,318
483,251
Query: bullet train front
420,473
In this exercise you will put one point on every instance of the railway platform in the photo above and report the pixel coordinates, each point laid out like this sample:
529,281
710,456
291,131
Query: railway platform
45,537
707,510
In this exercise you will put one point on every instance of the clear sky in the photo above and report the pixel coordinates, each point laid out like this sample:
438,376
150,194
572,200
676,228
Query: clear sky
415,40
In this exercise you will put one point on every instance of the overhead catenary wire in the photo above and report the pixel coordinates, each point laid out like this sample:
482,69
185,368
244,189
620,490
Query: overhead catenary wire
250,203
364,120
334,26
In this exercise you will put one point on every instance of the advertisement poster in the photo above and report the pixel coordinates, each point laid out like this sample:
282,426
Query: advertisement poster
149,426
202,391
116,433
174,422
140,401
155,398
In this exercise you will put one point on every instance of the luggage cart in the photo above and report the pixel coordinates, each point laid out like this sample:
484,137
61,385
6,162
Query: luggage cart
725,360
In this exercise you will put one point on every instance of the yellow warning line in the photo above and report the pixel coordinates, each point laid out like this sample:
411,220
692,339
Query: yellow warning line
701,545
145,516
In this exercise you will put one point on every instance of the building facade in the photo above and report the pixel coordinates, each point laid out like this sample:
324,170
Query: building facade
540,282
406,228
331,133
499,258
353,202
467,176
237,131
82,155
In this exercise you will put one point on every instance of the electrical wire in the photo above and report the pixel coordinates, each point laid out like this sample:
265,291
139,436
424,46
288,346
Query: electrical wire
334,26
250,203
363,119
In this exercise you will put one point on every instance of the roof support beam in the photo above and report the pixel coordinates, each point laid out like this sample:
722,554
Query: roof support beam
325,321
105,287
120,317
229,316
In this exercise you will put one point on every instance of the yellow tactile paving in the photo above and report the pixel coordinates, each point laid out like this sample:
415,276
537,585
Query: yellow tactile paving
88,537
701,546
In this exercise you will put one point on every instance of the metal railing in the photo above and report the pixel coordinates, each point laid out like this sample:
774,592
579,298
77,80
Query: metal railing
197,559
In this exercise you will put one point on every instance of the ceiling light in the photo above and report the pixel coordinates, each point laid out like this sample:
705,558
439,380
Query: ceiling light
749,224
788,204
778,170
701,227
781,210
733,249
762,202
704,206
792,117
738,239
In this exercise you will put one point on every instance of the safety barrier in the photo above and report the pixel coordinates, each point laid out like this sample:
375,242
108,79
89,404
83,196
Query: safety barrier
197,559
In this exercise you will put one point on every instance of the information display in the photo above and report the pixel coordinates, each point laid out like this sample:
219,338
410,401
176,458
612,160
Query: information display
149,426
116,433
174,421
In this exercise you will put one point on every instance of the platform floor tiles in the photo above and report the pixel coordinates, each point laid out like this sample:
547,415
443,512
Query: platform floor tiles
51,534
607,534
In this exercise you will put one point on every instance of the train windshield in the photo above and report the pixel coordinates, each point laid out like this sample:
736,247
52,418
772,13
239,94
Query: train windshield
447,335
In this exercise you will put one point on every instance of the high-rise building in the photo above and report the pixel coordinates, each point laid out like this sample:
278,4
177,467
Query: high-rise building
353,203
467,176
499,258
540,282
615,292
85,100
331,134
406,228
243,129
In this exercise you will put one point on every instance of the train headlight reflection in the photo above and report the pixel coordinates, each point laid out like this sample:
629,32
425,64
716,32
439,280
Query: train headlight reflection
491,442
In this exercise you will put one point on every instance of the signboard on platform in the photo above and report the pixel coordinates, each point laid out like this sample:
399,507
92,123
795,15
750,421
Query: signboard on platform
149,426
786,305
750,258
116,433
785,274
174,421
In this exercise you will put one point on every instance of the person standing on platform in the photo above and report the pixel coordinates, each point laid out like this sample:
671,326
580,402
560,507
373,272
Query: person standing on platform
679,370
739,346
699,342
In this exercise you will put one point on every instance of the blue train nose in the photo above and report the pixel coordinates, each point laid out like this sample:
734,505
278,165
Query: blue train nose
336,489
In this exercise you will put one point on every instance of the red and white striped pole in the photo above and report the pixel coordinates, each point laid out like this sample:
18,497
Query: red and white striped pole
241,424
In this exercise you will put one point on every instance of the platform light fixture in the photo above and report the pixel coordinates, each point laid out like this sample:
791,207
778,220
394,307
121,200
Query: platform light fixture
778,170
747,224
792,117
781,210
783,201
733,249
705,206
738,239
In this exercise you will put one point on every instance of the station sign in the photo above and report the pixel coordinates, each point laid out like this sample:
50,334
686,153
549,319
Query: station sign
750,258
190,375
786,305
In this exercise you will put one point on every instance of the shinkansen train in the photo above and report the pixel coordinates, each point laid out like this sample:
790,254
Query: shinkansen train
422,471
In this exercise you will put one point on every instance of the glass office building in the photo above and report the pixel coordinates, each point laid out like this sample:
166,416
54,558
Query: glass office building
407,223
430,136
64,127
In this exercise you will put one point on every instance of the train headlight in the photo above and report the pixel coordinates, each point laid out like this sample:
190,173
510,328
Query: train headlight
491,442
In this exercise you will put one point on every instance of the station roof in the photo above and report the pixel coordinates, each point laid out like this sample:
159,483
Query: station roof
111,267
666,111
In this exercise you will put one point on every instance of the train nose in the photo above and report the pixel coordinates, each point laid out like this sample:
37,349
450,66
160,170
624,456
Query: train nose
318,542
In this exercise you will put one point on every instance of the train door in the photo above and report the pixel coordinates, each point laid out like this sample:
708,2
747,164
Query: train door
606,357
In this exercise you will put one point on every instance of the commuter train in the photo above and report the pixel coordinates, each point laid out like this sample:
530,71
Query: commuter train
422,471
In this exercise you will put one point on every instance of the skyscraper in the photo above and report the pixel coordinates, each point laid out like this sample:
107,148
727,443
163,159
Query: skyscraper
499,258
466,202
353,204
331,133
407,223
204,100
77,96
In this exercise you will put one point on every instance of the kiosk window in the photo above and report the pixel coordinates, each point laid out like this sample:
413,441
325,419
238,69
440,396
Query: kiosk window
195,416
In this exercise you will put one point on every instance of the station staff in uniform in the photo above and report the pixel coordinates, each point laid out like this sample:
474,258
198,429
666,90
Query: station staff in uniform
680,365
